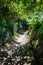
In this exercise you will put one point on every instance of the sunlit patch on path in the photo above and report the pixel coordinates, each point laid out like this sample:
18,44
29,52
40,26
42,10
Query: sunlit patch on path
22,39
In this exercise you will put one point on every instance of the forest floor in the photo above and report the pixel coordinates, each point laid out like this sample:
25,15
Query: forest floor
20,40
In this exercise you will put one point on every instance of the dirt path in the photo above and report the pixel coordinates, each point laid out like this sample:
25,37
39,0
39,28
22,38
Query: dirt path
22,39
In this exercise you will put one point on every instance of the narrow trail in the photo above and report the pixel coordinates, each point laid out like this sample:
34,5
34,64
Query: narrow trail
22,39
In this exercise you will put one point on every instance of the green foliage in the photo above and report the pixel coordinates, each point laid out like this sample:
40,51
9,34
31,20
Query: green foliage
37,26
6,30
2,29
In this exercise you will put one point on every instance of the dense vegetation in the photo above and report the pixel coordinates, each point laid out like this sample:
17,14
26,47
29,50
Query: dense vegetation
27,14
